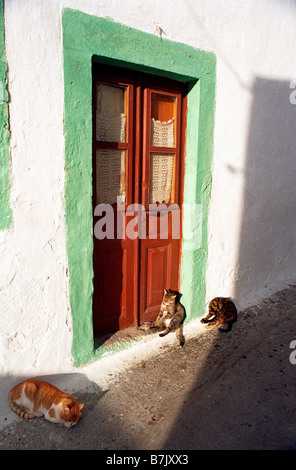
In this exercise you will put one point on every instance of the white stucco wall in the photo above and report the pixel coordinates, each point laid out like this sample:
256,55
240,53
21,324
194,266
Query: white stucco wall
35,316
251,228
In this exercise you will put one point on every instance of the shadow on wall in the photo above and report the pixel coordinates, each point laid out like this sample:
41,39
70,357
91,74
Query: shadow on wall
267,249
240,398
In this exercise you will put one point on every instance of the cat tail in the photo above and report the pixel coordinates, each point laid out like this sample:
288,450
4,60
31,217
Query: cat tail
180,336
17,409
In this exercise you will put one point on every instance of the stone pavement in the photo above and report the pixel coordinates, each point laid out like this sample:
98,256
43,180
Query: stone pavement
231,390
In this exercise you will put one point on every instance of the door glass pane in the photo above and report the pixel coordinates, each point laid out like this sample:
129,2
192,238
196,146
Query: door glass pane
163,120
111,113
111,176
161,178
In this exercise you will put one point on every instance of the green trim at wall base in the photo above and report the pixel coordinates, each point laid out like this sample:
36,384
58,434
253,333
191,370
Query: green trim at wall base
85,39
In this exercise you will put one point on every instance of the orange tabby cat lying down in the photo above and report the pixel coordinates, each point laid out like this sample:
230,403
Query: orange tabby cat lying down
34,398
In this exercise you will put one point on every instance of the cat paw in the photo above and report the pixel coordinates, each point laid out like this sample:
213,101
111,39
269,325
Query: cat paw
145,326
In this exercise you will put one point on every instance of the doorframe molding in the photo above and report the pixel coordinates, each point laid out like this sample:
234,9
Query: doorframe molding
87,38
6,214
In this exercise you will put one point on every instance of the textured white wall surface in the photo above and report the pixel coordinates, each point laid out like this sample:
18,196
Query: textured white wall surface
252,241
35,316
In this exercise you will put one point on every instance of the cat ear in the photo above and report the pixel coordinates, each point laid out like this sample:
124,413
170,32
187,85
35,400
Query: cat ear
165,291
80,406
66,410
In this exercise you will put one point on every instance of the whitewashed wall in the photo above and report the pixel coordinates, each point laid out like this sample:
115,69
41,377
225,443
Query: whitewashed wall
251,225
35,316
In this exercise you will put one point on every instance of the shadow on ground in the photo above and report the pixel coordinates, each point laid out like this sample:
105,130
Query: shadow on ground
222,391
244,395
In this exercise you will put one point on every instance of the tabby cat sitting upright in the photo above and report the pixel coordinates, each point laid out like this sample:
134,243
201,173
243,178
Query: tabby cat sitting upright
221,310
171,316
34,398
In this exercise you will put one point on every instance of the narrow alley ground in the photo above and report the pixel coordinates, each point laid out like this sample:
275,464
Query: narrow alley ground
221,391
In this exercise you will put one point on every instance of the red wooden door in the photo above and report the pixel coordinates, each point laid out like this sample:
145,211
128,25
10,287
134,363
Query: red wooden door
113,160
137,160
160,191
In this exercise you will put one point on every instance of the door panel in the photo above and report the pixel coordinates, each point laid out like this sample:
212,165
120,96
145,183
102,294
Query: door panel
109,280
159,269
156,269
113,300
137,160
160,183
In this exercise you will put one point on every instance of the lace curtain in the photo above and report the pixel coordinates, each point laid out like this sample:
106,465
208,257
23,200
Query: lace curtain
111,129
163,133
110,176
161,177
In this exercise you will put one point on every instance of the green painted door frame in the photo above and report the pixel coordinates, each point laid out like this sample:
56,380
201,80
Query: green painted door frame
5,209
87,38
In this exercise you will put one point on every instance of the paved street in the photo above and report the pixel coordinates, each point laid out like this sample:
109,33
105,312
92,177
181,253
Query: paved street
221,391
